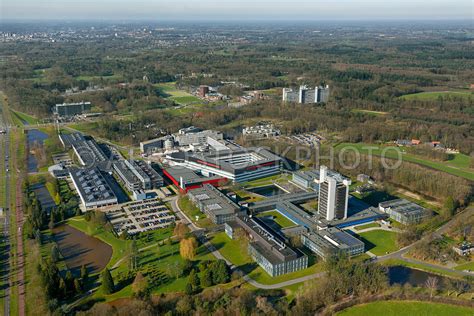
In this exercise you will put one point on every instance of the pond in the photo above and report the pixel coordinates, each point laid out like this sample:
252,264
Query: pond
78,248
34,137
268,190
403,275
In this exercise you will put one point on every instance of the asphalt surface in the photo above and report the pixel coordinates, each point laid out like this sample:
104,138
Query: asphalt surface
5,156
200,234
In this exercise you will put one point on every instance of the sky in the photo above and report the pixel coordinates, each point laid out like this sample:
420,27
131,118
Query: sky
236,9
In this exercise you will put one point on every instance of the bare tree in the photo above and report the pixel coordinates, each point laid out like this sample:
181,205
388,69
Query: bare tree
432,284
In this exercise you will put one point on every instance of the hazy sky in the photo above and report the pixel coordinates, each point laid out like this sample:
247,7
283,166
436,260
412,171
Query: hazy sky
236,9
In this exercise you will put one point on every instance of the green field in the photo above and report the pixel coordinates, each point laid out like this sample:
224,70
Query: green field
465,266
90,78
379,242
436,94
279,218
458,166
401,308
185,100
365,226
20,118
236,252
375,113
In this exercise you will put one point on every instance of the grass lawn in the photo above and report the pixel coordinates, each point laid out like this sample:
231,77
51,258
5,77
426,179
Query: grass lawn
375,113
279,218
370,225
465,266
436,94
236,252
21,118
397,308
232,249
184,100
458,166
191,210
379,242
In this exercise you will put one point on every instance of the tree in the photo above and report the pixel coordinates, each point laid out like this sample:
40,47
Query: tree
140,285
84,274
450,206
133,255
432,285
108,286
206,278
78,286
180,230
193,280
220,272
188,248
54,253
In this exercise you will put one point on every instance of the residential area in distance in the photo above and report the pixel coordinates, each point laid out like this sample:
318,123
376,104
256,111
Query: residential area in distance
236,168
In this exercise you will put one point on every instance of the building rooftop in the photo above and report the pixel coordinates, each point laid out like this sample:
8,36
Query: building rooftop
214,200
91,185
404,207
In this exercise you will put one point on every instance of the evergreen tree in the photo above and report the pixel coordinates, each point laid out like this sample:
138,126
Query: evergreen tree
54,253
206,278
220,272
108,286
84,274
193,280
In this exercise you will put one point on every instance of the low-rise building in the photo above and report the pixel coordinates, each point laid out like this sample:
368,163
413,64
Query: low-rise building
215,204
464,249
404,211
268,248
261,131
93,189
332,241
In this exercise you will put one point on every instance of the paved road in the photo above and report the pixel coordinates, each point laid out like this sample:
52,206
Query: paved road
200,234
5,145
400,254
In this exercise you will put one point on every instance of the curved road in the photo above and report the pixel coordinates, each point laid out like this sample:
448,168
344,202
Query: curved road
200,234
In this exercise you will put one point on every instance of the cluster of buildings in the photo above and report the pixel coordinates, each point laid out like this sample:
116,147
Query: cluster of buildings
261,131
404,211
101,166
306,95
190,136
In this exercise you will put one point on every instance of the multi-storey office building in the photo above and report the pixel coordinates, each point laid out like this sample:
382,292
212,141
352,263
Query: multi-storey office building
267,247
306,95
215,204
195,136
72,109
333,196
239,165
404,211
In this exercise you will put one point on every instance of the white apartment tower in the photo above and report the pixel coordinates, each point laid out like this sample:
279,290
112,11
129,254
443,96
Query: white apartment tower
333,196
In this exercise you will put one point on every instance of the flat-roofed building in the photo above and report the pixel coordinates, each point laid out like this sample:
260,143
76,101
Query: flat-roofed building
268,248
72,109
238,165
195,136
215,204
404,211
332,241
93,189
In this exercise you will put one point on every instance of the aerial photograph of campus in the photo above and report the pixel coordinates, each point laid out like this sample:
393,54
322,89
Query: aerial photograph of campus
236,157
